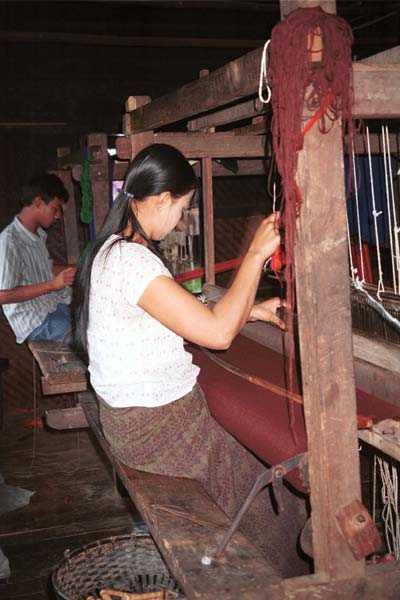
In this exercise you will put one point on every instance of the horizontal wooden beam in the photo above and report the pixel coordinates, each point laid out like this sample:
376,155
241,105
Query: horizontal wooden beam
360,143
381,581
230,145
200,145
233,81
376,91
90,39
245,167
244,110
66,418
387,57
252,129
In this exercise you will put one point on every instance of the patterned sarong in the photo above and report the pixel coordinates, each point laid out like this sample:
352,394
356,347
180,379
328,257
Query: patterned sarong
182,439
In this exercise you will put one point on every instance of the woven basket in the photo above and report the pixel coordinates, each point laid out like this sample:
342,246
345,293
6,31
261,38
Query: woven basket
127,563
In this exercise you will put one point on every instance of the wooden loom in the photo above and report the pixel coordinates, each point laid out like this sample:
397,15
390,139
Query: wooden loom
324,307
323,295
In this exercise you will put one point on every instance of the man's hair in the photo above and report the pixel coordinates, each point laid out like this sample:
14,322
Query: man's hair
45,185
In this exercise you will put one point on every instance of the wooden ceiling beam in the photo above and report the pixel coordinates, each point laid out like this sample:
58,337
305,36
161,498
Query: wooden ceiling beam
233,81
376,90
244,110
91,39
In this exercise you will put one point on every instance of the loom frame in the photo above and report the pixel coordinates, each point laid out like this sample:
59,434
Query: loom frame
337,573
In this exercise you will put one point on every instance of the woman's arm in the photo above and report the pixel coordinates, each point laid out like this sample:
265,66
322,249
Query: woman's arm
214,327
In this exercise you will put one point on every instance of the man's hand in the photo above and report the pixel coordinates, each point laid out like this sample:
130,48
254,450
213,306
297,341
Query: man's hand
64,278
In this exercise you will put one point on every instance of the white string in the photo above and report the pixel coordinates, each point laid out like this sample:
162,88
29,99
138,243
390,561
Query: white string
396,229
34,410
274,198
390,510
358,213
386,160
375,214
378,306
263,76
353,270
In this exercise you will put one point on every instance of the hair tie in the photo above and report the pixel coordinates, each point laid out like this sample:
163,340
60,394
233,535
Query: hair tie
126,194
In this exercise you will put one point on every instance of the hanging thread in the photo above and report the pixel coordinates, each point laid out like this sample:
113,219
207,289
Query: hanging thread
375,214
325,88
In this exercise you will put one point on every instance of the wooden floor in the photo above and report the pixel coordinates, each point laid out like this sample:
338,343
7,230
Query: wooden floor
74,501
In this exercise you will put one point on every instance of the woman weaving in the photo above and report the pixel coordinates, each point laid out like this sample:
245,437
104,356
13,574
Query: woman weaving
132,318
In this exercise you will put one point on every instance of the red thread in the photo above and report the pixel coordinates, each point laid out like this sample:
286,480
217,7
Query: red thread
324,89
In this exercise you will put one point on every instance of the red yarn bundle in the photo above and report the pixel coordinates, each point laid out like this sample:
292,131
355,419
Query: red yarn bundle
298,84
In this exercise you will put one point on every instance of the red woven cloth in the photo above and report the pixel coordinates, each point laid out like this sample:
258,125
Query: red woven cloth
257,417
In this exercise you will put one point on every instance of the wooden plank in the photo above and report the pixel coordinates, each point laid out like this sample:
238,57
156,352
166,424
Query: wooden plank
380,353
387,57
384,443
325,342
249,167
99,177
67,387
66,418
224,145
324,322
70,219
244,110
208,216
233,81
201,145
381,581
62,368
376,91
241,573
255,128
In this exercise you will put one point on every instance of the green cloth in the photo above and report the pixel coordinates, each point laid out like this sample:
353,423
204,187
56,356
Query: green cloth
87,194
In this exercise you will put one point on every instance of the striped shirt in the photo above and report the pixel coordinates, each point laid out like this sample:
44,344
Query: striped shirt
25,260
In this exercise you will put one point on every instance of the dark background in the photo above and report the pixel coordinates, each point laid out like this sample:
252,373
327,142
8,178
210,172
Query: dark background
68,67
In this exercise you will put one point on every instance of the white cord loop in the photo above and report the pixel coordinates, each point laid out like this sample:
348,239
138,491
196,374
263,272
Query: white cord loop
263,76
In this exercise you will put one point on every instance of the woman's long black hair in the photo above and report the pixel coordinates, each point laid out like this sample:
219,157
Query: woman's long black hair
156,169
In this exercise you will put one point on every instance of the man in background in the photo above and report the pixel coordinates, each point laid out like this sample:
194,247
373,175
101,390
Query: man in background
35,294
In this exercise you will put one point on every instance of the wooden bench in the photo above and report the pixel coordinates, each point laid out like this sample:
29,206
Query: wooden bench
188,525
62,368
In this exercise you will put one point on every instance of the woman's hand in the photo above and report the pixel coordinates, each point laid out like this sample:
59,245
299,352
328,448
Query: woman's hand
266,238
266,311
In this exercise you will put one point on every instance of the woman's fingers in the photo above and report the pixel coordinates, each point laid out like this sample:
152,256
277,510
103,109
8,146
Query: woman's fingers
266,311
277,321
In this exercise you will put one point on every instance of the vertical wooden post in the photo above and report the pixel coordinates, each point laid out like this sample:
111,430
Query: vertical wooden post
70,219
208,209
287,6
208,220
99,177
323,302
